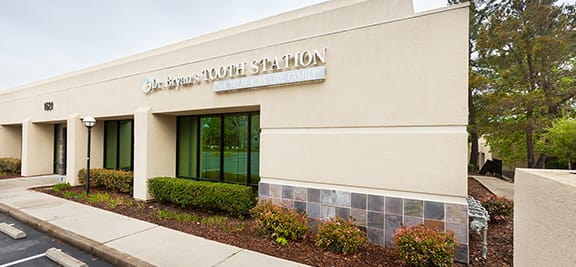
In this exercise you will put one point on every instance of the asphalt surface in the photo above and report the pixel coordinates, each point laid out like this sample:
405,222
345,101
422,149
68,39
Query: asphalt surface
36,243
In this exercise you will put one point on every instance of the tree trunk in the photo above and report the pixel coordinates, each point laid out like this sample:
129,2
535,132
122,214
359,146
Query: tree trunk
474,150
541,162
529,139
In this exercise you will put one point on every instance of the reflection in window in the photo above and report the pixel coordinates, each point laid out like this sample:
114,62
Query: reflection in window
210,136
228,150
236,148
255,147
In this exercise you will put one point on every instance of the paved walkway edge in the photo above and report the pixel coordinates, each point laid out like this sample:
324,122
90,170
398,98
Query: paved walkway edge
111,255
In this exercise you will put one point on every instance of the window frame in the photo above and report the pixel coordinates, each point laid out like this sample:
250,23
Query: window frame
221,116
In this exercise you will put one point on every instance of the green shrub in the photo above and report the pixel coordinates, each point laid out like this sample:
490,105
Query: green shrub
210,196
115,180
60,187
421,246
72,194
499,208
279,223
10,165
178,216
340,235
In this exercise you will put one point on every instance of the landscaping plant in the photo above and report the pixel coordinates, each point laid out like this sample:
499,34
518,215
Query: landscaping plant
210,196
340,235
422,246
115,180
279,223
10,166
60,187
499,208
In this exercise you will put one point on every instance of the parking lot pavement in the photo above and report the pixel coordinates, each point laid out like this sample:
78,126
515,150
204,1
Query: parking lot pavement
22,252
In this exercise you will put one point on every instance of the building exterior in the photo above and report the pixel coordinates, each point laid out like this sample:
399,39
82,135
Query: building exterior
346,108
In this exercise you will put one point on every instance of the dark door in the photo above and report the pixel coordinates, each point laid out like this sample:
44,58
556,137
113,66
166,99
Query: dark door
60,149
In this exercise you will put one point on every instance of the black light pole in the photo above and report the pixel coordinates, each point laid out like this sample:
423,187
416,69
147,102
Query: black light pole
89,122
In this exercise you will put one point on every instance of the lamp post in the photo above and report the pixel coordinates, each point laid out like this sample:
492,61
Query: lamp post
89,122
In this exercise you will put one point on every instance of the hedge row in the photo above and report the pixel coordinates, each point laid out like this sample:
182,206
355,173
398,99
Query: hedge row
10,165
117,181
211,196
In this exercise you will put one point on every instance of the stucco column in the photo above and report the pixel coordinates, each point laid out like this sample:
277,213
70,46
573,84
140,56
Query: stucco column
37,148
11,141
154,149
76,147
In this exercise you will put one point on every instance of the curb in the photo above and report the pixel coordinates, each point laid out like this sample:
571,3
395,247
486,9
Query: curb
111,255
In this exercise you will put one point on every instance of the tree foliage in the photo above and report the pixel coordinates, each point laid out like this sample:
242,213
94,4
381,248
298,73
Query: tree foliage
522,73
480,10
559,140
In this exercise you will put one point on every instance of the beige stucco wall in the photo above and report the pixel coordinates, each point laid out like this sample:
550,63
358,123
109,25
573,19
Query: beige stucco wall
544,216
37,148
484,151
11,141
154,149
391,114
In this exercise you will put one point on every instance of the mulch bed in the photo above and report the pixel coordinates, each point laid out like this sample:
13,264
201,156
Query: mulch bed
243,233
500,236
10,176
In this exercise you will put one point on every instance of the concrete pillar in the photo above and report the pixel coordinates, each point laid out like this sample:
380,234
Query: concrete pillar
37,148
76,148
154,149
77,144
11,141
544,216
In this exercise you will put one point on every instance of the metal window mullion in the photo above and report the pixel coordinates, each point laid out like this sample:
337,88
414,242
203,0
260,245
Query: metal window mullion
221,148
117,167
198,145
249,156
132,147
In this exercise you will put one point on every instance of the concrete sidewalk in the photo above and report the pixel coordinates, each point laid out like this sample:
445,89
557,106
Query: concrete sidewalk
117,238
497,186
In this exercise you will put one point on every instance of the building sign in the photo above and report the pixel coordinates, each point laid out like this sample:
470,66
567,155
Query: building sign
278,78
48,105
268,71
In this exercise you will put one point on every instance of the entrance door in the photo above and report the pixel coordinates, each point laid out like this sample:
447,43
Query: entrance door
60,149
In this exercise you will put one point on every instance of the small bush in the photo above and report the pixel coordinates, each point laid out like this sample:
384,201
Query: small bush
72,194
340,235
499,208
115,180
421,246
178,216
210,196
60,187
279,223
10,166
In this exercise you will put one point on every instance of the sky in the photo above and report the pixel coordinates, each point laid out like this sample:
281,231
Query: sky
41,39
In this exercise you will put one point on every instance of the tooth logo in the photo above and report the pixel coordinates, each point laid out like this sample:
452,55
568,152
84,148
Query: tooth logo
147,86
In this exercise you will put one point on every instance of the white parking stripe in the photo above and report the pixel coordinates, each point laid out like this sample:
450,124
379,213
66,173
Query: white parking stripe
23,260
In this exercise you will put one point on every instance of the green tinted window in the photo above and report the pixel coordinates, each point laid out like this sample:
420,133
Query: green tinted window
236,147
255,149
219,147
118,144
210,140
187,147
125,145
110,144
